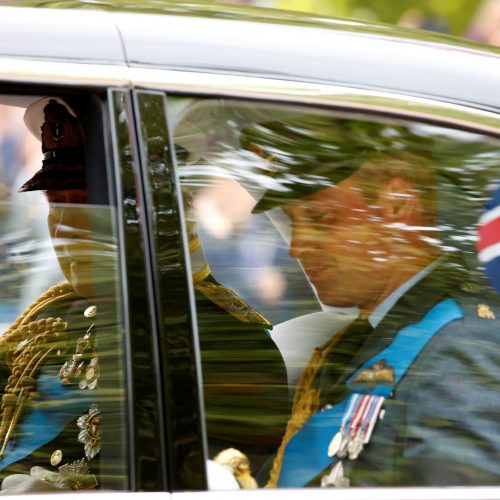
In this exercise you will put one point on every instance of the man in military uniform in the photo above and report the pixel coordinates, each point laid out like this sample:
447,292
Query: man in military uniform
406,395
51,411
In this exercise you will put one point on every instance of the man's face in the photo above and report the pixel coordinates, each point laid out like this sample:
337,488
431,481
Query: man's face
342,243
84,241
69,227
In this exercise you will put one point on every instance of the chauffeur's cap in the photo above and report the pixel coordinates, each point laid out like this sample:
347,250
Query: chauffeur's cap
54,123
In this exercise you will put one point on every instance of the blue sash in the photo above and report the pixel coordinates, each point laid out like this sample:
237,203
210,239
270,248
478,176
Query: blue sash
59,405
306,454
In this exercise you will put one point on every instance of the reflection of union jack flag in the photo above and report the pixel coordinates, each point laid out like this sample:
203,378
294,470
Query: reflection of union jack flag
488,244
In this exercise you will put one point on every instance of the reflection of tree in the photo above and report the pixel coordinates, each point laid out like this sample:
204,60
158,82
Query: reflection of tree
25,263
456,14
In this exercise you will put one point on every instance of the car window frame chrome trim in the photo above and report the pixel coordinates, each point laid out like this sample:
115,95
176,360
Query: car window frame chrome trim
39,71
479,117
463,115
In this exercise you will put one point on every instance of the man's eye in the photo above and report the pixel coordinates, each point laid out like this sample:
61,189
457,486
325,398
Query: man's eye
317,218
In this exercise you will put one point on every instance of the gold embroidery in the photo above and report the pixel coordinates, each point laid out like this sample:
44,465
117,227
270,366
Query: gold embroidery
194,244
484,311
25,347
201,274
230,302
379,372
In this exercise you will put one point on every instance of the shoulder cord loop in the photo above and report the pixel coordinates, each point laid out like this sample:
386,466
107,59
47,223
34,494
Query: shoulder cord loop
25,346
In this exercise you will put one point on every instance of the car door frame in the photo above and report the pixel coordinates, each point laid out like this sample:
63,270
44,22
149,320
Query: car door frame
332,97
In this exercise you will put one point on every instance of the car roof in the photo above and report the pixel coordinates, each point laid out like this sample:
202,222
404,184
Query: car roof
202,37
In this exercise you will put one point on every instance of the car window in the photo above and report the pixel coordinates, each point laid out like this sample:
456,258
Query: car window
61,354
345,294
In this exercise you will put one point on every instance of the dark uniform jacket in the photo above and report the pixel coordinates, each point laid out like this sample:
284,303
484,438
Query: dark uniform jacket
244,377
440,425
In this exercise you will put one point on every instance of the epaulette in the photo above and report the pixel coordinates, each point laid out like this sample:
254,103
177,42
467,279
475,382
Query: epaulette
232,303
26,345
58,292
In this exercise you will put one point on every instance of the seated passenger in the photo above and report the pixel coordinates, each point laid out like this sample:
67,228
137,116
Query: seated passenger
50,435
424,352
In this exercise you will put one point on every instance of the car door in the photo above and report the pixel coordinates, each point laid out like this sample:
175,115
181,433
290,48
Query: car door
228,154
116,353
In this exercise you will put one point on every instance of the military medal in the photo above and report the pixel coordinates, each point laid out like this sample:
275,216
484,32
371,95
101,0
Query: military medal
90,433
335,444
372,417
339,443
77,475
90,312
343,445
56,458
355,447
357,426
89,381
335,478
83,367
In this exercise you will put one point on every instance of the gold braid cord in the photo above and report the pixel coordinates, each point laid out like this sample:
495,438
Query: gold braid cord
24,347
305,401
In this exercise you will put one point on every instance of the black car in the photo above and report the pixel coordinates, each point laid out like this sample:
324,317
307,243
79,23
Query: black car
271,254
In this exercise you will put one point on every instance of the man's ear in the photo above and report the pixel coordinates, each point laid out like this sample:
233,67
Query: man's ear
399,201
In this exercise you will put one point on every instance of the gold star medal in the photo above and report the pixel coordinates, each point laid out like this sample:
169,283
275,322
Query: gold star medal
90,433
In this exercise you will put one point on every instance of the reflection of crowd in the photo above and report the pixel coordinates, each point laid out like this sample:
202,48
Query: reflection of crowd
484,27
20,237
13,140
259,270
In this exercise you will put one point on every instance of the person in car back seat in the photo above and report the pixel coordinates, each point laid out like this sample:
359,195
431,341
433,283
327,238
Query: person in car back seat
54,354
50,433
424,352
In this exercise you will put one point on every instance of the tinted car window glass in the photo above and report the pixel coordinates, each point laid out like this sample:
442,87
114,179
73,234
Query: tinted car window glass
346,261
62,424
185,458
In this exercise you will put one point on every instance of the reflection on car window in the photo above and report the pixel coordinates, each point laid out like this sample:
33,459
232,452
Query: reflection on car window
60,348
347,245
